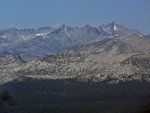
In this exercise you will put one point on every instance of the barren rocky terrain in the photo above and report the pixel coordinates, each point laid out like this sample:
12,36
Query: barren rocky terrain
111,60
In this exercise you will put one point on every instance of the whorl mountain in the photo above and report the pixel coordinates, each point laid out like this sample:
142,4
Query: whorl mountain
30,43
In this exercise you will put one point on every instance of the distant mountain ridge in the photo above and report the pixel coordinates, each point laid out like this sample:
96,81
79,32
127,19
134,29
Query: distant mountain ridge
31,44
110,60
119,45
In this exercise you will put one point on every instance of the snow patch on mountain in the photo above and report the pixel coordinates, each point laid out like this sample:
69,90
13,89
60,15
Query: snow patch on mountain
39,34
115,28
3,37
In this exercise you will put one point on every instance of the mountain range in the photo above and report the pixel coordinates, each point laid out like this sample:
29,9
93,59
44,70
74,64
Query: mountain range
74,70
108,60
39,43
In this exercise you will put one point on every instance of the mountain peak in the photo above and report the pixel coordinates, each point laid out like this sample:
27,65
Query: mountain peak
87,26
113,29
63,26
45,28
31,43
112,23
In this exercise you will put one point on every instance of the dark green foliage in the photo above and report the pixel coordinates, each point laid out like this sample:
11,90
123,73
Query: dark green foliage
6,101
71,96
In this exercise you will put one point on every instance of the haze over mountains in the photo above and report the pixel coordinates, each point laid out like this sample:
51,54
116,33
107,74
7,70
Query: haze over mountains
108,53
67,69
30,43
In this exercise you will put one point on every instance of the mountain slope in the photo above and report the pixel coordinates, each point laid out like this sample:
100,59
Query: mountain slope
96,61
7,65
30,43
121,45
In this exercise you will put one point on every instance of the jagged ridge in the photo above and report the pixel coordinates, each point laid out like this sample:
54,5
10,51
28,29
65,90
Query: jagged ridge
30,43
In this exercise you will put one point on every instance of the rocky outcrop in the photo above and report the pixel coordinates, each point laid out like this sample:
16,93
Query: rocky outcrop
7,65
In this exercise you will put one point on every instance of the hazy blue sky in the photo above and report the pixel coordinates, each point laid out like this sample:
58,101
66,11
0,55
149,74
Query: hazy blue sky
38,13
